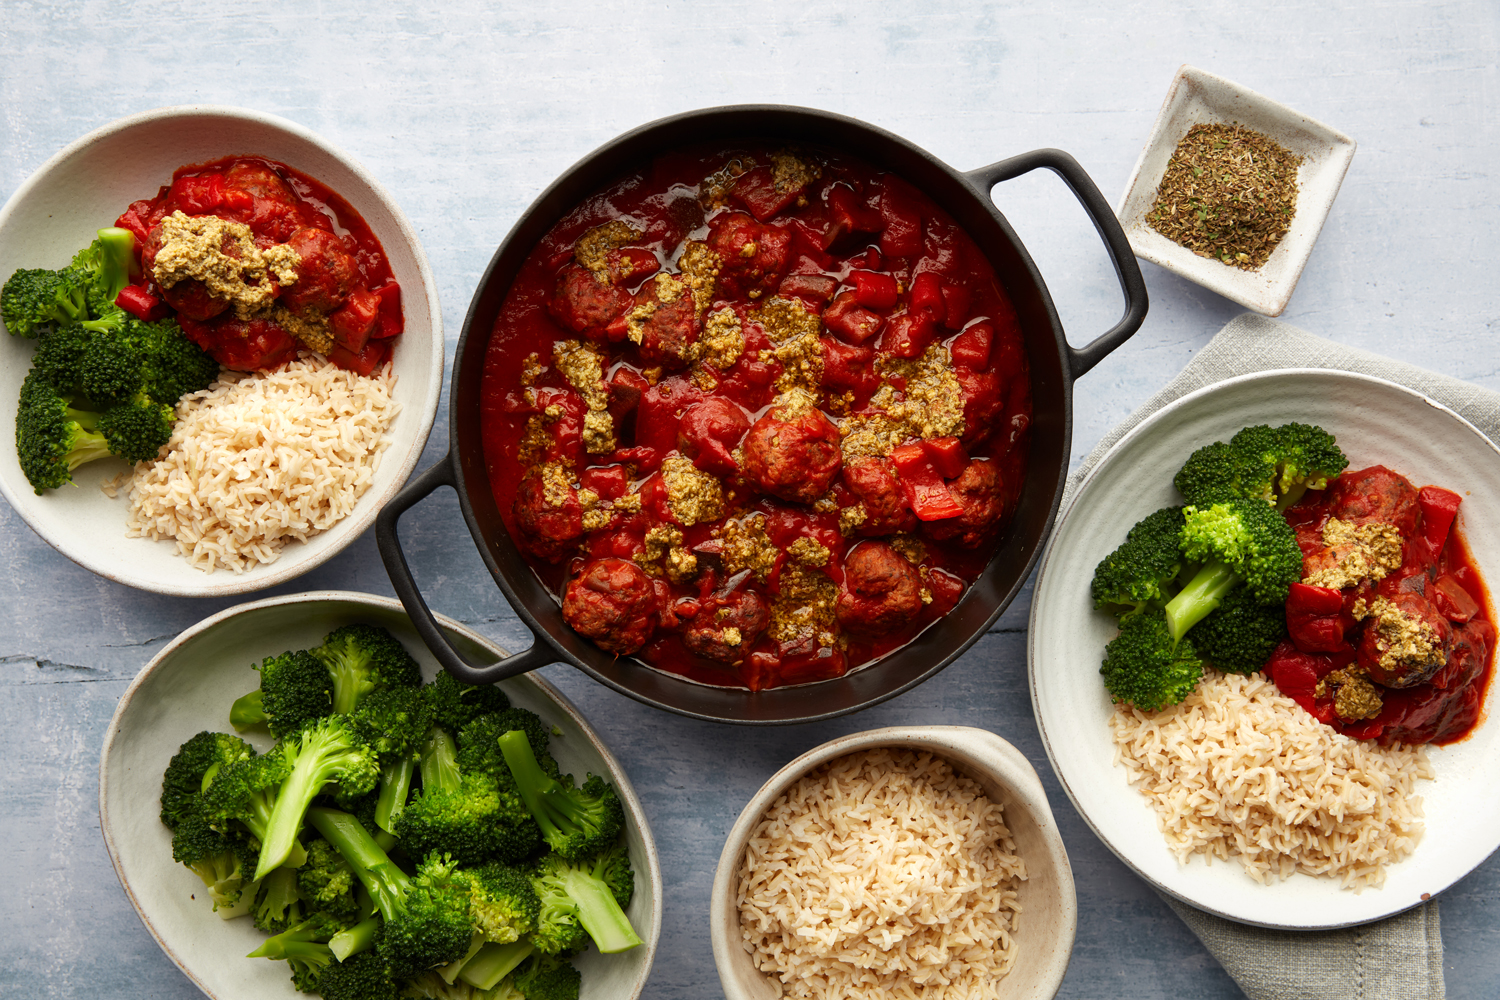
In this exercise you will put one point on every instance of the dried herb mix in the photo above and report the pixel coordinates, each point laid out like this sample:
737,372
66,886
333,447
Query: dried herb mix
1229,193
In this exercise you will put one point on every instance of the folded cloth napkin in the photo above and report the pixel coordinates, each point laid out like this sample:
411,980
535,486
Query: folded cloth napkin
1400,958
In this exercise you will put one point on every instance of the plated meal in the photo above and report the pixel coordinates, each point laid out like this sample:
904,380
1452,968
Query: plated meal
756,414
1285,681
229,337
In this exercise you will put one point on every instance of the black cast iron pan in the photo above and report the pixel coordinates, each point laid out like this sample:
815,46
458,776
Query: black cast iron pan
1054,367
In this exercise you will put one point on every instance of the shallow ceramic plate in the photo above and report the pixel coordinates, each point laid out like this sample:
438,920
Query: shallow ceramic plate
84,188
1049,904
188,687
1376,422
1196,97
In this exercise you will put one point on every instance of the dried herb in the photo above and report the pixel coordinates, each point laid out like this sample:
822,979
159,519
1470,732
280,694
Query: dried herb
1229,193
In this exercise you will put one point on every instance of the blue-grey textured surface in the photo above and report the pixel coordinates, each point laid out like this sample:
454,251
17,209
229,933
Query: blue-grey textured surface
467,113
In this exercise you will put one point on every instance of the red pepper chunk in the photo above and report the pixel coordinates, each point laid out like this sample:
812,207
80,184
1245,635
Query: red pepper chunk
1439,508
391,320
926,493
1314,618
927,296
947,456
140,303
873,290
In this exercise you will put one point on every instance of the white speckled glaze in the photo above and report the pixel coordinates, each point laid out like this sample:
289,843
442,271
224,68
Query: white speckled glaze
1375,422
189,686
1194,98
84,188
1049,906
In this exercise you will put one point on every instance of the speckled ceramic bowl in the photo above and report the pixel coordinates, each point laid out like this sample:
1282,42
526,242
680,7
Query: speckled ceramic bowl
188,687
84,188
1049,906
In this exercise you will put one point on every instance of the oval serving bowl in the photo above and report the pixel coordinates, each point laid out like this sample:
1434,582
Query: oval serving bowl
1375,422
188,687
84,188
1049,905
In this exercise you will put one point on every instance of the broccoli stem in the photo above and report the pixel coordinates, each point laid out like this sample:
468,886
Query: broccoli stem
439,762
395,787
1201,595
544,796
247,712
599,912
353,940
119,259
494,962
387,884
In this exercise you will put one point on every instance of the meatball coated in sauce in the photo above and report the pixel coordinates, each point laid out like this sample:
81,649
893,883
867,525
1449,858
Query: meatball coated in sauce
794,459
873,481
1405,641
978,491
882,591
709,432
549,515
727,625
613,603
1375,494
190,296
326,273
584,304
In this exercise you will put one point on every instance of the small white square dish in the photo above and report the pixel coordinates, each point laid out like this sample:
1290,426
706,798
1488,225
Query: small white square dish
1197,97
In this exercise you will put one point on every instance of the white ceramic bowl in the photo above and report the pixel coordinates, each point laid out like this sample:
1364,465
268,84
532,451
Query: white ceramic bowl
1049,906
1196,97
84,188
188,687
1375,422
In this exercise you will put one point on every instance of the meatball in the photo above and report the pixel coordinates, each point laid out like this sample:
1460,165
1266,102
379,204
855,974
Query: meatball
549,516
189,296
584,304
752,255
977,490
709,431
663,321
882,592
613,603
873,480
1375,494
727,625
795,458
242,344
1405,640
272,212
325,275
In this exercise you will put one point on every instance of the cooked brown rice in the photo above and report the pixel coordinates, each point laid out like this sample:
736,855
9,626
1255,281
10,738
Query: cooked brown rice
882,874
259,459
1239,769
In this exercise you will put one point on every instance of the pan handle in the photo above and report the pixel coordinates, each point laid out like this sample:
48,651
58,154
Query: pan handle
1080,360
386,539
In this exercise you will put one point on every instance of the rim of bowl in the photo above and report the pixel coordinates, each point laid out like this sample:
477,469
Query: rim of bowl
633,806
262,576
1007,766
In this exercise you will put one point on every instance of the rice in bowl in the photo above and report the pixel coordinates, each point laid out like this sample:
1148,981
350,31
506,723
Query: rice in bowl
1240,770
260,459
882,873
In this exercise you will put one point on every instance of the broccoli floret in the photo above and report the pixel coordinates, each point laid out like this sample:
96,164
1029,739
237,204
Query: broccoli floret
503,904
278,903
192,767
575,822
215,857
52,437
365,658
468,816
295,689
1144,569
547,977
172,365
1146,667
581,895
479,744
136,429
456,704
426,915
326,751
362,976
248,711
1220,471
1293,458
326,882
111,368
105,267
245,792
303,946
34,299
1241,633
394,722
1240,541
59,355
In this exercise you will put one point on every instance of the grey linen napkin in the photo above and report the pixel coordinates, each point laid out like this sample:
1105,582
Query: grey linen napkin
1400,958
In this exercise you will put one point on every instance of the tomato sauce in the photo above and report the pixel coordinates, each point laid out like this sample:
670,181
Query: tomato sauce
345,288
1436,572
756,415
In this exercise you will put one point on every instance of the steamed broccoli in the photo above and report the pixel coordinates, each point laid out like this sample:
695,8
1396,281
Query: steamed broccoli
35,299
53,438
365,658
426,915
1239,635
1218,472
295,690
245,792
503,905
1238,542
1146,666
468,816
278,903
547,977
326,882
479,744
1294,458
362,976
395,723
104,266
575,822
1144,569
137,428
304,946
215,857
456,704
